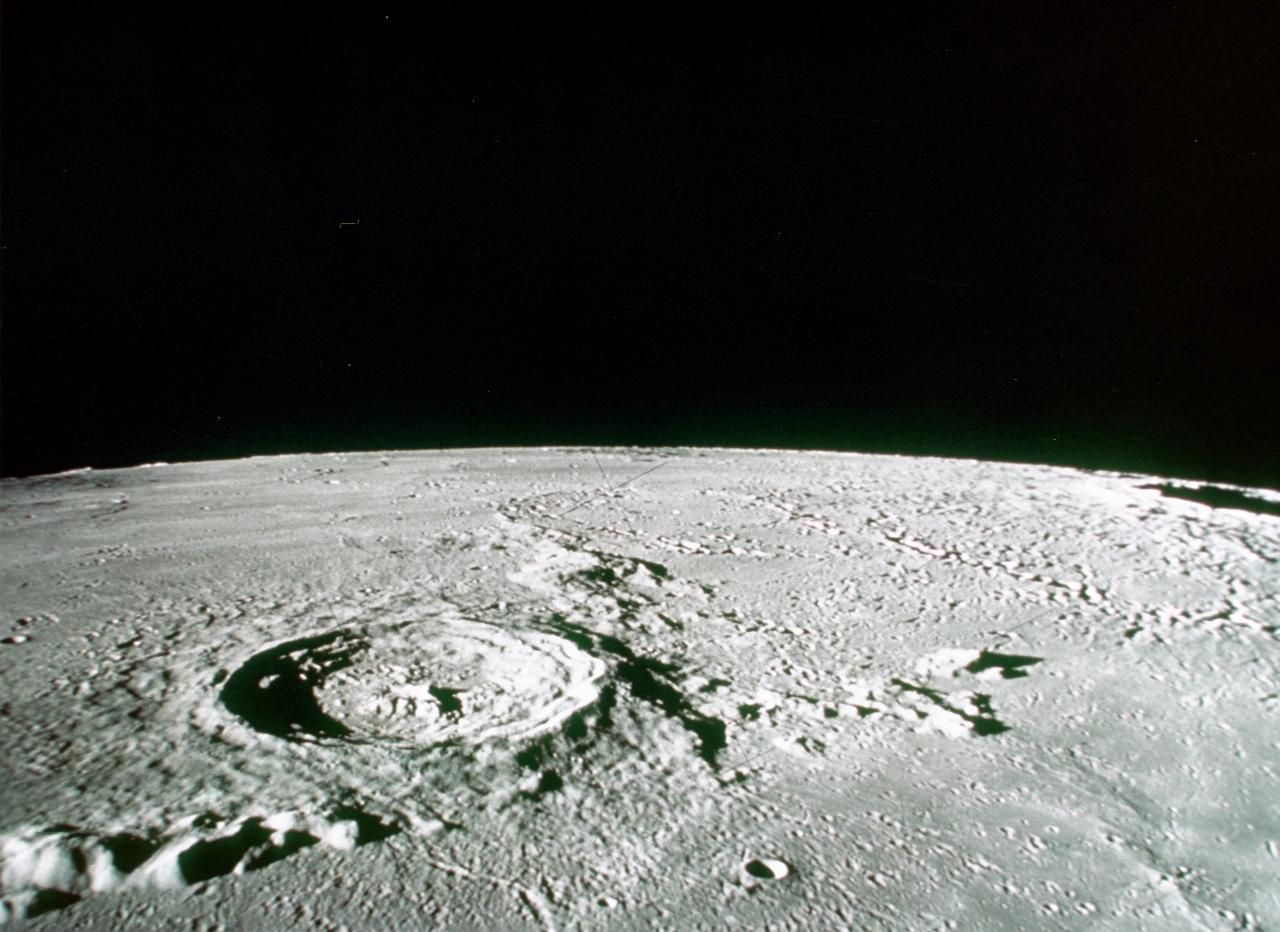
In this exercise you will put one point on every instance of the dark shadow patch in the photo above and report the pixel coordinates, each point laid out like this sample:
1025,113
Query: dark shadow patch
645,678
1010,665
274,691
48,901
550,782
292,842
985,727
657,569
670,622
578,732
206,820
750,711
575,636
984,722
532,757
447,699
128,852
369,828
599,574
649,680
812,745
711,734
218,857
1217,497
253,846
764,870
605,705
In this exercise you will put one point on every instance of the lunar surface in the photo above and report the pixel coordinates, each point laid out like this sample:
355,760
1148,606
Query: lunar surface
637,688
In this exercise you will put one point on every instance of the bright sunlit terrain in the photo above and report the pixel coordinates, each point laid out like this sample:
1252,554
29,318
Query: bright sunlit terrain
637,688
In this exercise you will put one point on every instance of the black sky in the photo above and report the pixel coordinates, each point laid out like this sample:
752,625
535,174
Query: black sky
993,231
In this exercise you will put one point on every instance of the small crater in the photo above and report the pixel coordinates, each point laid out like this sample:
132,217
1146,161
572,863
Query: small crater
766,868
754,873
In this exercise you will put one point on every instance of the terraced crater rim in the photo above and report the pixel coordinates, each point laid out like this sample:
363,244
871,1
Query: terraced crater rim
418,683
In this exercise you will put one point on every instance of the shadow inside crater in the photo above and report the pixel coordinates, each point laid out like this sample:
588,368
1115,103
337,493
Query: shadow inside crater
274,691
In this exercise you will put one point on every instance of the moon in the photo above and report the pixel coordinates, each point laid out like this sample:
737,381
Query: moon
637,688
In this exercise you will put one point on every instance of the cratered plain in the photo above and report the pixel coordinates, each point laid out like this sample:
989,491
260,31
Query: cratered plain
637,688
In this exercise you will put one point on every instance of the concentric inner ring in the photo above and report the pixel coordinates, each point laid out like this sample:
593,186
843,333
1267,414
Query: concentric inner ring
421,683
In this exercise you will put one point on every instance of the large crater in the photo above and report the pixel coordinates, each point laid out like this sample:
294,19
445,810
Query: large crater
414,683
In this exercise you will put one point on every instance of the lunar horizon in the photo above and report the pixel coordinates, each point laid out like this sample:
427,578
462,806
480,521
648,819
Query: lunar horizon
565,470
